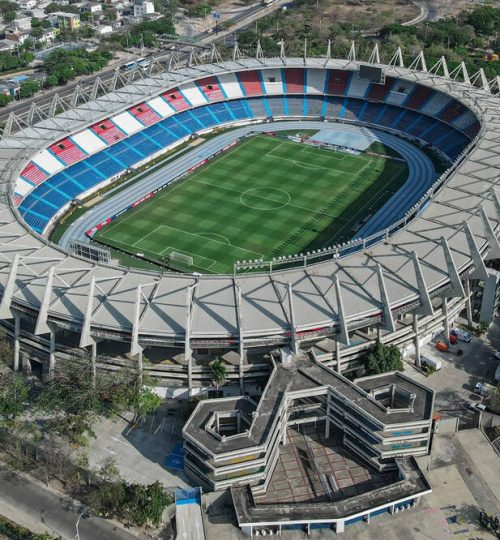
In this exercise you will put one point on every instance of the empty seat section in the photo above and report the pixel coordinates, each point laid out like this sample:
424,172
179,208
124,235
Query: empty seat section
143,144
357,87
418,97
435,104
421,125
251,83
203,115
238,109
83,176
221,112
277,105
176,99
296,105
144,114
63,182
178,130
57,197
211,88
399,92
353,109
188,121
315,83
334,106
108,131
314,105
464,120
33,174
337,82
404,121
231,85
122,153
472,130
372,112
436,132
88,141
47,162
22,187
193,95
378,92
294,80
158,134
104,164
452,111
67,151
271,79
388,116
257,107
128,123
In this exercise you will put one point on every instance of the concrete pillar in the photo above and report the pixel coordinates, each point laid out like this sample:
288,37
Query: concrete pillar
339,527
446,319
139,366
379,334
283,436
17,345
416,340
367,518
52,352
468,303
327,427
93,358
337,355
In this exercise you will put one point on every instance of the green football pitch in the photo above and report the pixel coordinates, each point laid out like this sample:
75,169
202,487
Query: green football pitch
266,197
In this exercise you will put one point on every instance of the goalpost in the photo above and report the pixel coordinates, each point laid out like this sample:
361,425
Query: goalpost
177,258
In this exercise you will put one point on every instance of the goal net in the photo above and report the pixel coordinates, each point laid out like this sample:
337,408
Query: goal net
179,258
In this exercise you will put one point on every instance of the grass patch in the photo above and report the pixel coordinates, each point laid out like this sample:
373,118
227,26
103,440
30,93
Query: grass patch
265,198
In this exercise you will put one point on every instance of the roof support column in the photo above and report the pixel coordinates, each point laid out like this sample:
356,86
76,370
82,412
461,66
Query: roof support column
386,305
494,251
468,303
416,339
93,360
5,311
446,319
17,345
42,326
480,271
241,344
52,352
293,336
425,299
135,347
343,334
338,355
188,353
457,289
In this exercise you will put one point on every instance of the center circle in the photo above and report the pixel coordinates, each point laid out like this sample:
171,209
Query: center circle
266,198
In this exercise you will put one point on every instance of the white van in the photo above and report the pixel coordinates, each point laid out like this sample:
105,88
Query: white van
430,361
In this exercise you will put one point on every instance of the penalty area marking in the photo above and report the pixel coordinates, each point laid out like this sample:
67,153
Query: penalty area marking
249,193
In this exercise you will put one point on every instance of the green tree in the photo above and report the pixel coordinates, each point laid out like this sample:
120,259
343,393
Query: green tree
28,89
382,359
9,16
219,372
495,400
4,100
14,393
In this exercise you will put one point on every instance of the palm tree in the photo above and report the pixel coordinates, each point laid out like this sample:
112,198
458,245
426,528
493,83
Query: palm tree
218,372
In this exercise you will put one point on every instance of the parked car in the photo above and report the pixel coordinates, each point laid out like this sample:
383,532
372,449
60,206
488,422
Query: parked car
462,335
484,389
473,406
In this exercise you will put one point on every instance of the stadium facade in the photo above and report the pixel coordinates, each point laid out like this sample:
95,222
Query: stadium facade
399,286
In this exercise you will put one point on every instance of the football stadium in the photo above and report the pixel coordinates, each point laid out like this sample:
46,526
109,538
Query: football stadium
284,215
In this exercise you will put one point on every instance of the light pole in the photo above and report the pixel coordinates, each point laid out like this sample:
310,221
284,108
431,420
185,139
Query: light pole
82,514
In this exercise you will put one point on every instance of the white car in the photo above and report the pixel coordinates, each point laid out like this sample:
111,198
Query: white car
462,335
473,406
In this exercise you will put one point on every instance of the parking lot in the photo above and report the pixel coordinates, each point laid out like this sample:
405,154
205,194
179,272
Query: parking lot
454,383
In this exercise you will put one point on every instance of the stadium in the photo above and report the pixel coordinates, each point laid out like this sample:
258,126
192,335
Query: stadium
308,209
398,276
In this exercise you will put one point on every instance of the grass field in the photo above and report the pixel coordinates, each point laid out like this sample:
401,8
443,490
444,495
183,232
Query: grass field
266,197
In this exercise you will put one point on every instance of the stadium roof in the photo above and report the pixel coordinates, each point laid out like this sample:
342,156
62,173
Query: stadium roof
452,236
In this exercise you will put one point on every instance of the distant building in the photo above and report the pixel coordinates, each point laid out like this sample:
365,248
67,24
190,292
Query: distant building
92,7
67,20
18,37
143,7
103,30
27,5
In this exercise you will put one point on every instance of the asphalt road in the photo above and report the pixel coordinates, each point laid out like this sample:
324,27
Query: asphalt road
34,506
